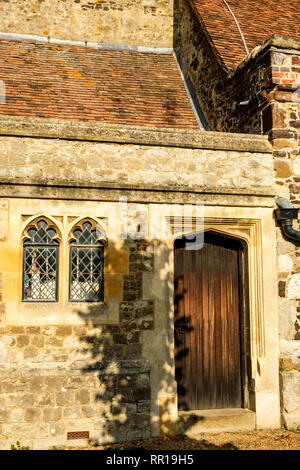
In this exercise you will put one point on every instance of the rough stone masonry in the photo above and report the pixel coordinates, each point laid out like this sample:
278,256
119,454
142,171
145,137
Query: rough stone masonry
105,369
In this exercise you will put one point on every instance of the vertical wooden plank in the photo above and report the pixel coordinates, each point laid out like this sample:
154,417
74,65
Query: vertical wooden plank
236,352
218,333
208,365
204,324
224,327
178,313
212,265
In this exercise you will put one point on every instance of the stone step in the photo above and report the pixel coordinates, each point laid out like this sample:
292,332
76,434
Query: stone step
219,420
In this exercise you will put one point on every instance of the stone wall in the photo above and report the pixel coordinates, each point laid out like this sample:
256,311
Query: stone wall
79,378
3,236
235,100
218,90
141,23
283,128
53,394
109,369
260,96
71,163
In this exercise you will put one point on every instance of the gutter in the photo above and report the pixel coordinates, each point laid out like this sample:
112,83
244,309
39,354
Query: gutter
88,44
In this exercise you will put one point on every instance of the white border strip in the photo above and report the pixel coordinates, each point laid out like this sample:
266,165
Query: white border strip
94,45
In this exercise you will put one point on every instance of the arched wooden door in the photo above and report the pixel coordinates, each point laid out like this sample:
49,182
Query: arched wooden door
207,324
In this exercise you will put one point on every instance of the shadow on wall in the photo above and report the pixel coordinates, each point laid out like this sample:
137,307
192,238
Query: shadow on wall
148,342
115,359
122,388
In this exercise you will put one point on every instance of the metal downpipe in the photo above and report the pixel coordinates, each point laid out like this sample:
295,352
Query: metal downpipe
286,213
287,228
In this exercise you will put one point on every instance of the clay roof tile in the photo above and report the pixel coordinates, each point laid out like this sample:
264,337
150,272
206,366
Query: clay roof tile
258,20
78,83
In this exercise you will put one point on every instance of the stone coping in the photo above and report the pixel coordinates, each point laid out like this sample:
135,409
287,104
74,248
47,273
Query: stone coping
88,44
143,194
124,134
276,41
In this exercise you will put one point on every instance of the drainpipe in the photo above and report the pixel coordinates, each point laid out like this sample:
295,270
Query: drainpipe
286,213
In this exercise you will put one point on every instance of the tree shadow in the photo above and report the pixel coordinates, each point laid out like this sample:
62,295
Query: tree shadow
114,353
182,326
179,442
114,356
137,361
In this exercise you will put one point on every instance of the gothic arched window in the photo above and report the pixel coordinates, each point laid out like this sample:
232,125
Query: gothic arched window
86,264
40,263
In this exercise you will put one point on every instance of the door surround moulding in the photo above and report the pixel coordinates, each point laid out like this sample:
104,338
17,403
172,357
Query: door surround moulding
249,232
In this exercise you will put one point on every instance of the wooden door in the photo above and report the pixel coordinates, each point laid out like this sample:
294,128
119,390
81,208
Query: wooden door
207,324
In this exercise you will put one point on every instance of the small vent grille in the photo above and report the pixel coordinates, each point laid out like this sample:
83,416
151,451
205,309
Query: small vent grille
78,435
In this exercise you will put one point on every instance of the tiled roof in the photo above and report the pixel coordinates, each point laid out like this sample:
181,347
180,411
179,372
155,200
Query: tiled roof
89,84
258,20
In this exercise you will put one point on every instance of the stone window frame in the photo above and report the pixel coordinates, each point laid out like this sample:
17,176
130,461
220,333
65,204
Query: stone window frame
63,237
101,242
33,224
62,312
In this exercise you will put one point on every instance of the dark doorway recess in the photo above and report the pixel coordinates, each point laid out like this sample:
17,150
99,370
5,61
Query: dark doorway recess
210,328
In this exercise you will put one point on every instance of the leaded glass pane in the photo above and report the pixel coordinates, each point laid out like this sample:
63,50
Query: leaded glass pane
41,235
86,236
40,264
86,266
40,273
86,283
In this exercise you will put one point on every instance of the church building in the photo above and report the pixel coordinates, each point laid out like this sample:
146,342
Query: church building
149,227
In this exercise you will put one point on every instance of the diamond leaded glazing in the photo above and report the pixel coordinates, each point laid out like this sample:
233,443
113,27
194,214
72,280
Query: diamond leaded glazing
40,264
86,266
